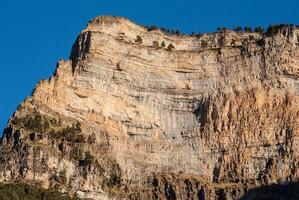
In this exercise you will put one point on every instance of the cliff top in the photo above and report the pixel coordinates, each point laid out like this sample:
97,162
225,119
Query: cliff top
111,21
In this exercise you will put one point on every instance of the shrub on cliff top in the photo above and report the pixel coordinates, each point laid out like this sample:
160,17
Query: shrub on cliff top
151,27
238,29
247,29
280,28
259,29
221,29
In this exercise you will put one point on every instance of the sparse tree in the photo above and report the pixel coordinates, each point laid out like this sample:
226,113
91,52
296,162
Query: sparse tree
285,29
238,29
138,39
152,28
155,44
170,47
177,32
247,29
163,44
198,34
259,29
221,29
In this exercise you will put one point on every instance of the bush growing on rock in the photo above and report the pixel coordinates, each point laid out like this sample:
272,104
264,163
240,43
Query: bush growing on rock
164,30
279,28
238,29
71,134
177,32
34,122
155,44
259,29
247,29
221,29
170,47
151,28
138,39
21,191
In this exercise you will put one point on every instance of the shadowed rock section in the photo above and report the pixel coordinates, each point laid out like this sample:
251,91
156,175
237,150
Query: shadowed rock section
127,118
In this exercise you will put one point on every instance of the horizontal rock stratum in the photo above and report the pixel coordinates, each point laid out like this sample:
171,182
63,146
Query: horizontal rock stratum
206,117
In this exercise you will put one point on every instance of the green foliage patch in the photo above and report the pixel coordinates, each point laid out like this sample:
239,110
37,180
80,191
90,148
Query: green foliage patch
20,191
71,134
34,122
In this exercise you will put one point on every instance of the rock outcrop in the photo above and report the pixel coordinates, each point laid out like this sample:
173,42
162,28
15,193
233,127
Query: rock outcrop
208,117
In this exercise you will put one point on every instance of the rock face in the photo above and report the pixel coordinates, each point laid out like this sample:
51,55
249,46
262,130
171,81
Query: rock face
126,118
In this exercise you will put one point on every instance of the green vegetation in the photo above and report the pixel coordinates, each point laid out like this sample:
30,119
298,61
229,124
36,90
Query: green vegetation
238,29
19,191
177,32
138,39
247,29
221,29
71,134
170,47
272,29
155,44
164,30
259,30
41,125
33,122
151,28
280,28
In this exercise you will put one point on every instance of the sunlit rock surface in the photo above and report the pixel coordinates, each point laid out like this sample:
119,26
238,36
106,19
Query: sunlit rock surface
123,118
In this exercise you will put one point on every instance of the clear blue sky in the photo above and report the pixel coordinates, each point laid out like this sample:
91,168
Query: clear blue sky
35,34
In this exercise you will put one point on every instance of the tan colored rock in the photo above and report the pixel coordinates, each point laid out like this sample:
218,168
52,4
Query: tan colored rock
200,121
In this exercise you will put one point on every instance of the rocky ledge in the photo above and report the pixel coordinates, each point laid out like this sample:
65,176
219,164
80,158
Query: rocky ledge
138,114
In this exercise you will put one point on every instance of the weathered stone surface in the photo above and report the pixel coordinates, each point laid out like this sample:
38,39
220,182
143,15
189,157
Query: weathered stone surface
124,119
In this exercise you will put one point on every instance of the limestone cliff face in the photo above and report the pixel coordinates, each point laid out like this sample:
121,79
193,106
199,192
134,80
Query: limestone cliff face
125,119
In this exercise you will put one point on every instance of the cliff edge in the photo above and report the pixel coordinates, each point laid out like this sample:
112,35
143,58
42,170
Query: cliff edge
138,114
